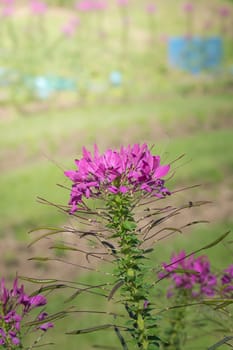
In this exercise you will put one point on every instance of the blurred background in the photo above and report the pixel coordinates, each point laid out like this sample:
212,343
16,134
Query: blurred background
112,72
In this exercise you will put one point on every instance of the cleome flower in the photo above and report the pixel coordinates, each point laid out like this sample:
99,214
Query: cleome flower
129,170
14,305
227,281
190,274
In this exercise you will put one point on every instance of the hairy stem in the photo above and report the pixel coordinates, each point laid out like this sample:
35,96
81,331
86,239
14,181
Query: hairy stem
130,269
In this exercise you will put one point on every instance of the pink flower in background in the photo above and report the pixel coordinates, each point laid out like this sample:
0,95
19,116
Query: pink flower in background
7,8
195,275
123,2
84,5
132,169
7,11
224,11
151,8
14,305
99,5
69,29
38,7
227,281
8,2
188,7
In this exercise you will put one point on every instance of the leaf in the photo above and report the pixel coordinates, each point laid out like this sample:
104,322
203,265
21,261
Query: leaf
115,288
129,225
221,342
140,322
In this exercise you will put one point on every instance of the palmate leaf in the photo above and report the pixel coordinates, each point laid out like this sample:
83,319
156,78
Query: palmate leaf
219,343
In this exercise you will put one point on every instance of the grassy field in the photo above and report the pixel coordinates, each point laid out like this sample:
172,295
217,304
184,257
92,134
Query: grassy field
176,112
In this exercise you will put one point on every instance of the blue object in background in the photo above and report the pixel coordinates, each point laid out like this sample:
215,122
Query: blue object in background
45,86
195,54
115,78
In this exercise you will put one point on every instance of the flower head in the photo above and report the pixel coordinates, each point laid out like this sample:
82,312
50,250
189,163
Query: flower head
69,29
188,7
131,169
84,5
14,305
7,8
224,11
194,275
38,7
151,8
227,281
123,2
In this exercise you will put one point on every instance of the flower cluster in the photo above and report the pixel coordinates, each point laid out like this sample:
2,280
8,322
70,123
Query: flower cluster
190,274
14,305
227,281
188,7
38,7
69,29
90,5
130,169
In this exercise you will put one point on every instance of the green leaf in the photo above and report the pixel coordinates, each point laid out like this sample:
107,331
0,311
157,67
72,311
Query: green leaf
129,225
140,322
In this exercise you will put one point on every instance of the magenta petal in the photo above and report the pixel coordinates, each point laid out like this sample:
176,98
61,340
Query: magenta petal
162,170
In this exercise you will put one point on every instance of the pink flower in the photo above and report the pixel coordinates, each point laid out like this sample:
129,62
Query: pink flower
227,281
123,2
195,275
131,169
99,5
84,5
7,10
224,11
151,8
38,7
69,29
45,326
188,7
15,304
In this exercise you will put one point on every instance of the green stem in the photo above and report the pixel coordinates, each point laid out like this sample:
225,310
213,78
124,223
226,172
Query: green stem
175,333
131,270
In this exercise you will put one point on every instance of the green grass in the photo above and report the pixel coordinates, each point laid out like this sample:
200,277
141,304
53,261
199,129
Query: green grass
208,160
